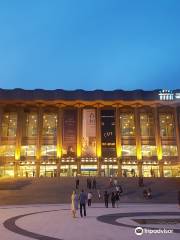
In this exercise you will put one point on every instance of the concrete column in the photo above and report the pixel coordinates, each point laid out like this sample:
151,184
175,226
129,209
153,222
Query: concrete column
138,134
157,133
140,168
39,140
1,119
118,142
79,138
59,139
177,128
158,140
20,121
98,139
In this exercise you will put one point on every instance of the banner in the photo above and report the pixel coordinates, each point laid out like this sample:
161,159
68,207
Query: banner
69,133
108,137
89,133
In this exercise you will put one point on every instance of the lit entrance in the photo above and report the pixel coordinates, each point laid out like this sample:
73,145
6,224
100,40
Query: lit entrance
48,170
89,170
129,171
68,170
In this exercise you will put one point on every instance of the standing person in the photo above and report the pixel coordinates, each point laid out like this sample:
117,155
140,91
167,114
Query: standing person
117,198
82,200
115,182
89,198
73,204
99,194
179,198
110,182
113,199
77,183
94,183
87,183
90,183
106,198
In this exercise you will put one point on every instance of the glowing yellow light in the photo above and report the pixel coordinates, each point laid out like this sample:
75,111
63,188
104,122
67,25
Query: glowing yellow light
139,153
99,151
17,154
159,153
59,152
119,151
78,150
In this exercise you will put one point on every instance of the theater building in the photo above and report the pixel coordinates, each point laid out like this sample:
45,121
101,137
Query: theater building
103,133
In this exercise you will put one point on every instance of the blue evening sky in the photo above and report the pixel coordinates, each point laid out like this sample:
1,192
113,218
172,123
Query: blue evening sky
90,44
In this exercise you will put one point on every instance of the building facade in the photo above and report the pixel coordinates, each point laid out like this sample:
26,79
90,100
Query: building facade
103,133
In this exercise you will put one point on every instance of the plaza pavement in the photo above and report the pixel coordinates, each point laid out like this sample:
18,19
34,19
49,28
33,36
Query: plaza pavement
54,221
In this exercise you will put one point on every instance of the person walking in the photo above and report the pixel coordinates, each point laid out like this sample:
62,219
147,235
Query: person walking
89,198
82,200
94,183
77,183
179,198
87,183
106,198
90,183
117,198
113,199
74,203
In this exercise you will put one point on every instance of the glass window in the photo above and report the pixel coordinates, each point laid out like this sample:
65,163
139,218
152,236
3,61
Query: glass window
29,150
128,150
148,151
7,150
167,125
9,124
48,150
169,150
127,124
49,124
30,124
146,125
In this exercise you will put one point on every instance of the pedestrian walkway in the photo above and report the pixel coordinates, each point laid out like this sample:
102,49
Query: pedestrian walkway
55,222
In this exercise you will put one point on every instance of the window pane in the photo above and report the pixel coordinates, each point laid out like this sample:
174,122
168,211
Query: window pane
29,150
148,151
7,150
9,124
128,150
30,124
167,125
127,124
49,124
48,150
146,125
169,150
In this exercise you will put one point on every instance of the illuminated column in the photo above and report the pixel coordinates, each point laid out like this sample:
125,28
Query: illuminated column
79,138
1,118
39,140
59,139
158,140
138,140
98,138
19,130
118,142
177,127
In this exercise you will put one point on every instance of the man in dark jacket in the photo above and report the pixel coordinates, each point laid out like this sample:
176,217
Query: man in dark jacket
179,198
106,198
82,200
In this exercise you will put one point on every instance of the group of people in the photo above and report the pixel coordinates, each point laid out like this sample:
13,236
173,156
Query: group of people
91,183
76,200
115,198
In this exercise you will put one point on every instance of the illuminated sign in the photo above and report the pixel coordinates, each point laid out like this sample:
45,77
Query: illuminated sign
168,95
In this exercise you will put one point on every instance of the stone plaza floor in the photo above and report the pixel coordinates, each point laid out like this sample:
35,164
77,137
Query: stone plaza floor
55,222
